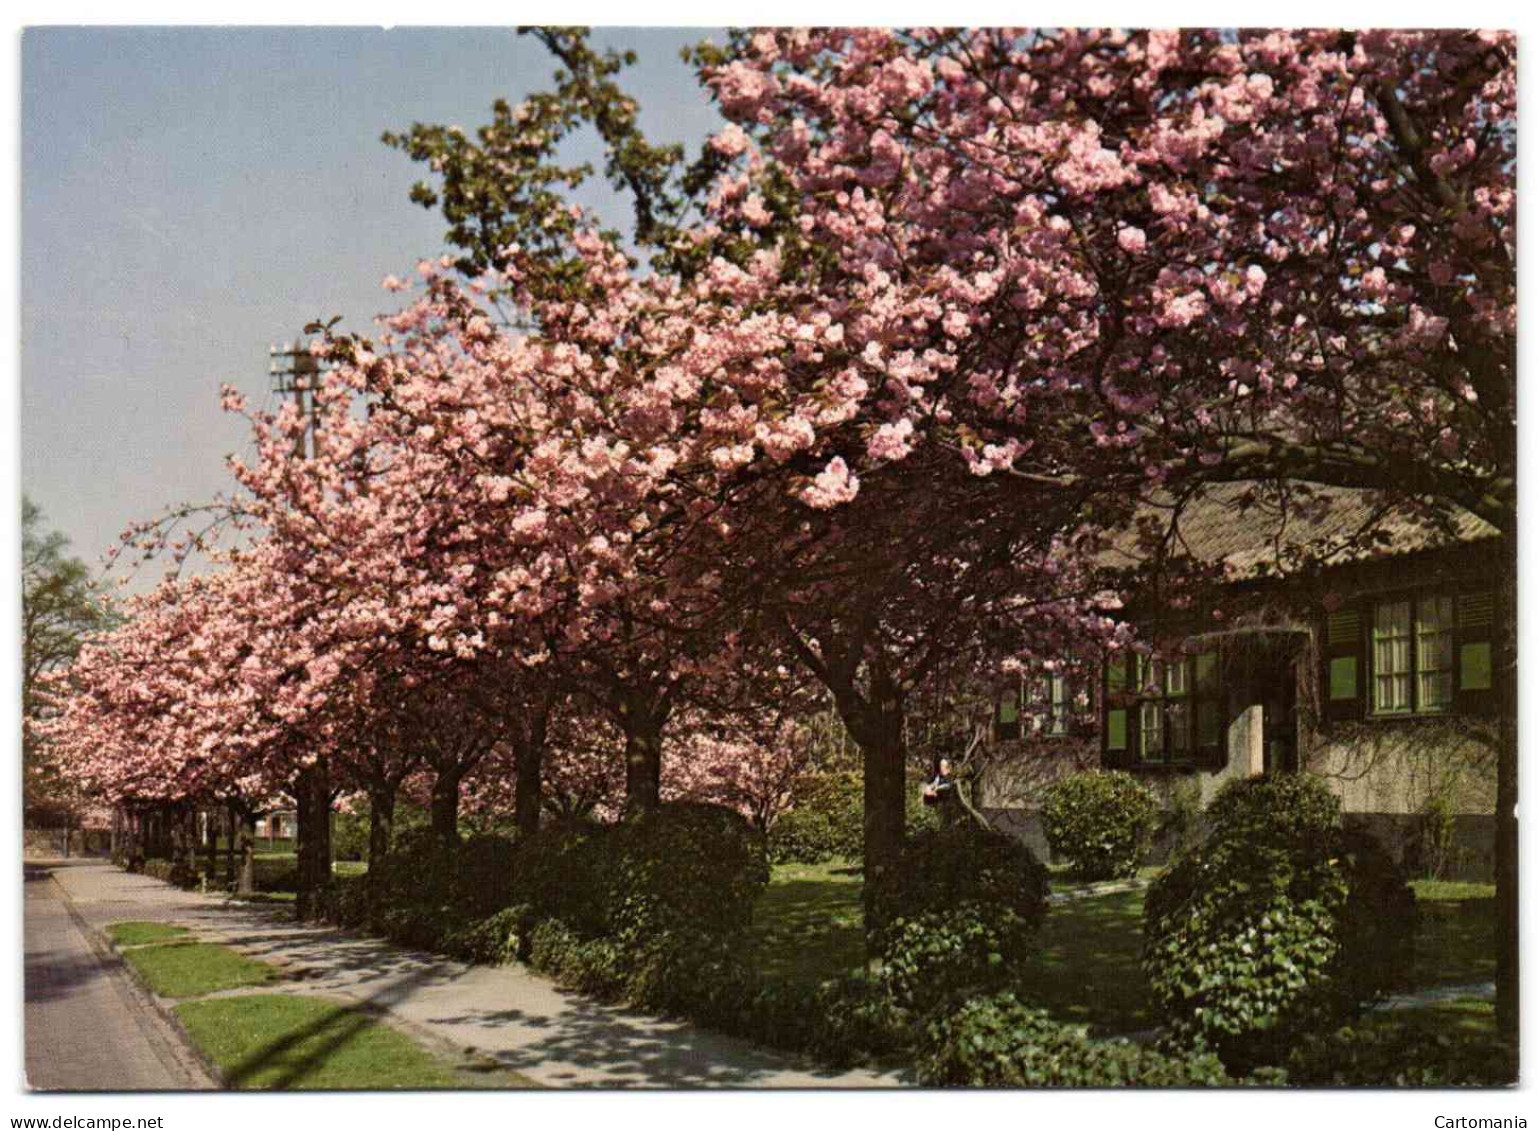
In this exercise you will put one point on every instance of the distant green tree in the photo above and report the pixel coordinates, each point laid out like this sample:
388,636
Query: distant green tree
59,609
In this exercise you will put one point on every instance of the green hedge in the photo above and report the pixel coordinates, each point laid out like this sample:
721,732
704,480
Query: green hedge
1279,924
940,869
1384,1057
826,820
1000,1042
1099,822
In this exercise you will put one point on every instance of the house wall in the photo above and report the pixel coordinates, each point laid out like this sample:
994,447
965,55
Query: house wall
1386,775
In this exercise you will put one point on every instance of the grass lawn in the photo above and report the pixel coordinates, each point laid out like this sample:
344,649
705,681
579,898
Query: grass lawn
139,933
1088,971
1063,882
187,970
1455,940
808,927
809,924
1449,1018
281,1041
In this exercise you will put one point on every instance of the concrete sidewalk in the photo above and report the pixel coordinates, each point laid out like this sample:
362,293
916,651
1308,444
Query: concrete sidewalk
506,1014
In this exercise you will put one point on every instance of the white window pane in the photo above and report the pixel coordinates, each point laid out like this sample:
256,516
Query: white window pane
1152,734
1393,619
1436,691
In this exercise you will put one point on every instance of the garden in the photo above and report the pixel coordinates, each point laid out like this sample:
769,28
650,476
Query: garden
1257,956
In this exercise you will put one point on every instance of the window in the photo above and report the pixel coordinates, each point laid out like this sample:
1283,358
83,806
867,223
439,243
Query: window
1162,711
1408,654
1040,706
1058,702
1412,655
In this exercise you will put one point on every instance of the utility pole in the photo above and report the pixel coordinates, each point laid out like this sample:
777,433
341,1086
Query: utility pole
297,375
296,372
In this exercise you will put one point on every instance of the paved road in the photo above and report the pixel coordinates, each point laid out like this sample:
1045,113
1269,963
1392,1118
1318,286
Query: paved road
87,1028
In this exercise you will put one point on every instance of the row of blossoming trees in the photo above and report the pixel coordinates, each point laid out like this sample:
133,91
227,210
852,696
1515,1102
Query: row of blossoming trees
935,315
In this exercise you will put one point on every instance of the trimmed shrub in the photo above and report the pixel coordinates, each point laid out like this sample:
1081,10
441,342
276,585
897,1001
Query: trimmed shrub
826,821
842,1022
685,878
483,875
1099,822
344,901
956,914
685,865
939,956
563,872
1279,924
349,834
1390,1057
665,893
1000,1042
494,940
591,966
1435,837
940,869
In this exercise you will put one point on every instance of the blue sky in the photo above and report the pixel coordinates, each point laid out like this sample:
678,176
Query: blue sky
191,195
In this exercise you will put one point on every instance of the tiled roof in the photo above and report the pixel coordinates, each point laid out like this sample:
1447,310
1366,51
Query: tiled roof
1247,526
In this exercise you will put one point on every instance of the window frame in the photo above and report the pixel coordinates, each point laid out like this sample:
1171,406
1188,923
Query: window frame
1042,705
1416,671
1155,698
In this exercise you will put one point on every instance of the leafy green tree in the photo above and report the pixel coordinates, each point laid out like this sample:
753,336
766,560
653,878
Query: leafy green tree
59,609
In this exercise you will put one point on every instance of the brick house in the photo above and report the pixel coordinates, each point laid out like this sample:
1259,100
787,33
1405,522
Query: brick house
1376,671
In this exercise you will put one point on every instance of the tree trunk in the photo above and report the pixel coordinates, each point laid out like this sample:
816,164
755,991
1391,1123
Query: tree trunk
178,834
530,766
1507,934
886,812
381,832
877,728
189,824
230,819
445,806
211,844
527,791
246,883
381,825
314,797
643,758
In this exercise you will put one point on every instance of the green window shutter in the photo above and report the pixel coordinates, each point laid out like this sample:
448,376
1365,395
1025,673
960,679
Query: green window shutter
1007,724
1344,661
1476,669
1476,653
1344,682
1116,730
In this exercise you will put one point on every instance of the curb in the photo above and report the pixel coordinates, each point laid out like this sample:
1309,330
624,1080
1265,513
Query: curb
110,957
111,953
